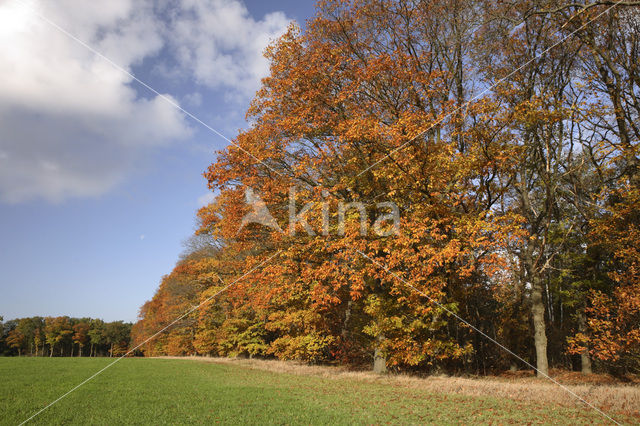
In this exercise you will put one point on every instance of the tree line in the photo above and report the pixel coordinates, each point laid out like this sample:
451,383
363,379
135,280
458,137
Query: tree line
506,133
63,336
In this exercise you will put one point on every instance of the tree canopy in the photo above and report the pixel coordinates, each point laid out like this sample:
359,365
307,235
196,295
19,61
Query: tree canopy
505,135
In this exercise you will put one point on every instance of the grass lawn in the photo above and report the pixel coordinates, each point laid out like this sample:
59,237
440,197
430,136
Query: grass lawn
164,391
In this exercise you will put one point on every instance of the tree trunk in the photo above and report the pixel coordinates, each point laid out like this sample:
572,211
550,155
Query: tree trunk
51,351
111,351
586,362
72,348
345,324
585,359
379,359
80,350
540,335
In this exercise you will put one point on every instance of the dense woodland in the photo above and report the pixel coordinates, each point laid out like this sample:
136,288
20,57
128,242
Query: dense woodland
63,336
506,132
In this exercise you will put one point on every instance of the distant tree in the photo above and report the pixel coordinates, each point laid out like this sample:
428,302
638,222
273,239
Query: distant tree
81,335
117,336
39,340
1,333
28,327
32,335
96,335
16,340
57,331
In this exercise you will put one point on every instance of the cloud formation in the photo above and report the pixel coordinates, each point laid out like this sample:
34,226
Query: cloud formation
221,44
72,125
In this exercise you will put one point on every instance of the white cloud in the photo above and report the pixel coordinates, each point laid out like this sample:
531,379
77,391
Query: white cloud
193,99
205,199
222,45
71,125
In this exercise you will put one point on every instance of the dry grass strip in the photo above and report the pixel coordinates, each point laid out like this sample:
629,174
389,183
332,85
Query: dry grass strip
613,398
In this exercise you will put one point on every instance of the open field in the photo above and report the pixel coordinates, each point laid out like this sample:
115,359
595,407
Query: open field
176,391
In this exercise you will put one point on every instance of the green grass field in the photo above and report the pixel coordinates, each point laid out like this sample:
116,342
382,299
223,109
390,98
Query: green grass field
160,391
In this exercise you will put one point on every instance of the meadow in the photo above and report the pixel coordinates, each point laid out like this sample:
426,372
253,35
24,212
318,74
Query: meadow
177,391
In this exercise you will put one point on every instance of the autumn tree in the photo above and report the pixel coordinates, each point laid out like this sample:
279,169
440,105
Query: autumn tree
57,330
504,134
612,330
31,336
31,328
609,39
366,79
81,335
96,335
16,340
117,336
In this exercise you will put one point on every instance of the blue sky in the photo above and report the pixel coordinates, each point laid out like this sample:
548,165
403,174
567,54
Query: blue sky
99,177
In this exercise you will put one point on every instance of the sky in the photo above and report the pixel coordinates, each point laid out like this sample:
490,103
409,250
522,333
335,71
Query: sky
100,176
